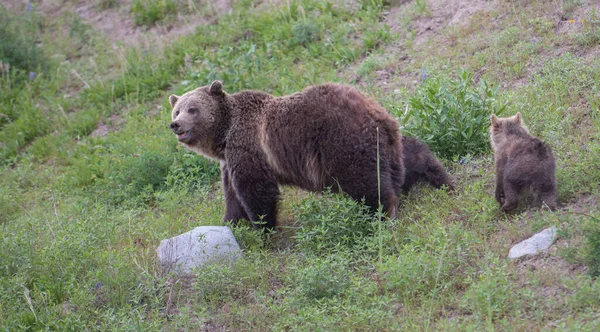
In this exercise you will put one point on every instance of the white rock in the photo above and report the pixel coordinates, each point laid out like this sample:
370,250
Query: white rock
202,245
540,241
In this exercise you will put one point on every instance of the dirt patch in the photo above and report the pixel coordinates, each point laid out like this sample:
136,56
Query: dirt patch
119,26
435,16
115,123
415,25
117,23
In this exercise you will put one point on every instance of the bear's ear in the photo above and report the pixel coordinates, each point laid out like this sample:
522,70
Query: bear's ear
216,88
496,123
173,99
519,118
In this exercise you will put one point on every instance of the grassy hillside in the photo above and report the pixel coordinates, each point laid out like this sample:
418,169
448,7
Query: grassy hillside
93,179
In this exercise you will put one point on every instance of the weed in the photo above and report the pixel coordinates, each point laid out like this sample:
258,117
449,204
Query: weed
586,294
106,4
305,32
18,44
148,12
590,34
373,39
452,116
332,223
324,278
592,250
488,297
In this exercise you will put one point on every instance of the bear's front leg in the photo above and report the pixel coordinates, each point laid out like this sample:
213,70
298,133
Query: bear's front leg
256,187
234,210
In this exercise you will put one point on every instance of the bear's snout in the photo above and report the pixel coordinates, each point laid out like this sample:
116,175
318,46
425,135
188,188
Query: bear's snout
175,127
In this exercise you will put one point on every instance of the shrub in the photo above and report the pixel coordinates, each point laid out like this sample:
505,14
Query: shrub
488,297
452,116
148,12
18,43
323,278
331,223
191,171
137,177
305,32
590,33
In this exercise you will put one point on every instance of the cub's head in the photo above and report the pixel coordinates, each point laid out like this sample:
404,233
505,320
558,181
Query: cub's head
195,116
500,128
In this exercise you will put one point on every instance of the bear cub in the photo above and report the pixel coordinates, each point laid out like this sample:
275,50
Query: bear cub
522,161
324,136
421,165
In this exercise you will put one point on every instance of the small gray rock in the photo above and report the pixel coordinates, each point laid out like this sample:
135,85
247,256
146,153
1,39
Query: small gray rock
540,241
202,245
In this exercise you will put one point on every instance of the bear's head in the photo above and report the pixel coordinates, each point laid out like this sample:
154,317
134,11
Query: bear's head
196,115
500,128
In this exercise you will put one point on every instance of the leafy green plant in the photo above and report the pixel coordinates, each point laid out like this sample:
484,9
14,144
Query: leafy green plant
452,115
330,223
138,176
18,43
323,278
585,293
372,39
590,32
488,297
190,170
592,249
305,32
148,12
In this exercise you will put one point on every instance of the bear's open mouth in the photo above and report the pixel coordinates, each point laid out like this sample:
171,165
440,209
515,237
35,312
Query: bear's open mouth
183,135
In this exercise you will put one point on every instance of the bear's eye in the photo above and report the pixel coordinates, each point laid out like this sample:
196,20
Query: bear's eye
176,113
193,110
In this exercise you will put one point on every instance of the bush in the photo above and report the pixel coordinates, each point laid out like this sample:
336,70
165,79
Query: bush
148,12
488,297
323,278
192,171
332,223
305,32
18,43
137,178
452,116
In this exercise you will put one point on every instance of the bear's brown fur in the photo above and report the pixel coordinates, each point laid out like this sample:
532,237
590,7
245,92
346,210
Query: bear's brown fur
421,165
324,136
522,160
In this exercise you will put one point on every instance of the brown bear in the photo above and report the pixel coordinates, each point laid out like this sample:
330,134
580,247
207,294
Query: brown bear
327,135
421,165
522,160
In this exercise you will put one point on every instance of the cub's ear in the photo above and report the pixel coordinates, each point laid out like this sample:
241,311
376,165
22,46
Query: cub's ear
173,99
496,123
519,118
216,88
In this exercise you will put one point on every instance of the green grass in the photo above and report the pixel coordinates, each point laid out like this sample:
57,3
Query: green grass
81,215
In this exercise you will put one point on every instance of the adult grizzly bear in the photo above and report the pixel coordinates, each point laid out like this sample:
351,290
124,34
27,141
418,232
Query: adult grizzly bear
324,136
522,161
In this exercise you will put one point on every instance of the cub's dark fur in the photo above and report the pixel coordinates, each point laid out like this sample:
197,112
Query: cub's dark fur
324,136
522,160
421,165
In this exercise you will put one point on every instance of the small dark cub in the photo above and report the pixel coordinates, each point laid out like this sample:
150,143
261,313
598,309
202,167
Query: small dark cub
522,161
421,165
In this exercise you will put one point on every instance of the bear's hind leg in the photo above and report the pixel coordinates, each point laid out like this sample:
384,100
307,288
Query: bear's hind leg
512,190
436,175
